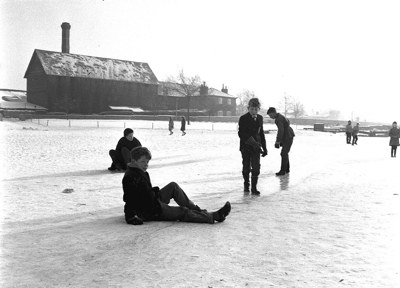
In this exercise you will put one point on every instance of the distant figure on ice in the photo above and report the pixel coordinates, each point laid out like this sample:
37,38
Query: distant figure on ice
284,139
354,133
252,144
183,125
143,202
394,134
121,156
349,131
171,126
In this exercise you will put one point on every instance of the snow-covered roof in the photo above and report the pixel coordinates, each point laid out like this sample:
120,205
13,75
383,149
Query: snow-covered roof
171,90
133,109
16,100
75,65
12,95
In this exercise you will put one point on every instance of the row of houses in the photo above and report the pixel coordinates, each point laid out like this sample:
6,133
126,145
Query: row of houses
74,83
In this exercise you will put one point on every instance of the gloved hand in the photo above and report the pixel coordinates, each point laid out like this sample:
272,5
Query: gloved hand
254,144
135,220
277,145
264,153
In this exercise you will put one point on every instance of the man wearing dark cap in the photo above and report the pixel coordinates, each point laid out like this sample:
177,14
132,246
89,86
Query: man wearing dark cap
284,139
252,144
121,156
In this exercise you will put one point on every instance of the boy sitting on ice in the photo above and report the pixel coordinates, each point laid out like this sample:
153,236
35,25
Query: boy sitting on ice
121,156
143,202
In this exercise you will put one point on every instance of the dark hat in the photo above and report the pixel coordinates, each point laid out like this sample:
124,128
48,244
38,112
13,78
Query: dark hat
271,110
127,131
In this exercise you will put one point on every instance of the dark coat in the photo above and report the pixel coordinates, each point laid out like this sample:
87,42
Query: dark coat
123,142
394,134
285,132
248,127
183,124
139,196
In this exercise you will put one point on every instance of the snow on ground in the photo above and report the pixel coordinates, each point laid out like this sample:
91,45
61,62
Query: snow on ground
332,222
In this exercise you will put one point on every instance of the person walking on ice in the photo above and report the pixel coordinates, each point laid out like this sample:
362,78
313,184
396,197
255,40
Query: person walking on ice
252,144
284,139
349,131
394,134
183,125
355,131
143,202
171,126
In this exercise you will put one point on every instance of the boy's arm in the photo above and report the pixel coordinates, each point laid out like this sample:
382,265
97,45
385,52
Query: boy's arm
262,138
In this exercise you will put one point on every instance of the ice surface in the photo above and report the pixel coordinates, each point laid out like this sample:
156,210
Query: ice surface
332,221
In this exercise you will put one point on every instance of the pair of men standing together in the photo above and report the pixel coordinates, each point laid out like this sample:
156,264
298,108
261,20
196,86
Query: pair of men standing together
253,144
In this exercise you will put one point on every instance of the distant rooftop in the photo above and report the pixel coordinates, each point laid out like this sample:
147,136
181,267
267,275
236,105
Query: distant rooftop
171,90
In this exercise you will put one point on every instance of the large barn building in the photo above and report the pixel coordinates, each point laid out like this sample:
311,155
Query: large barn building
73,83
85,84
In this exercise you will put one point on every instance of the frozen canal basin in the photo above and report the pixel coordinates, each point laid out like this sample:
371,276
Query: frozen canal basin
332,222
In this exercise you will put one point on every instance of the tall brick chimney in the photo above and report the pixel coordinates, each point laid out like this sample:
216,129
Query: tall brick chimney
65,37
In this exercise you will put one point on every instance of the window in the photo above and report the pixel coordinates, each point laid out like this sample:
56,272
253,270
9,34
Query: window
219,100
220,113
229,101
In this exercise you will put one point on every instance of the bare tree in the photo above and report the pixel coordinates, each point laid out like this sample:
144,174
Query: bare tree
286,104
243,99
297,109
334,114
186,86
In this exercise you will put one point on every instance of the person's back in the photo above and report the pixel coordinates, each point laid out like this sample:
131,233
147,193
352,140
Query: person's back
285,132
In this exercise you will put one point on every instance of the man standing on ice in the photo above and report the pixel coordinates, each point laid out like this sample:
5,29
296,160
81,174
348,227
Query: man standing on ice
349,131
284,139
143,202
252,144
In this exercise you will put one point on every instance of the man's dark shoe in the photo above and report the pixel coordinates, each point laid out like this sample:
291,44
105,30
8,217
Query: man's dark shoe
280,173
221,214
112,168
255,192
246,187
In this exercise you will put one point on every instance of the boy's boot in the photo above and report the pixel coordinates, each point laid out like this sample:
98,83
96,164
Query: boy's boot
254,180
246,183
221,214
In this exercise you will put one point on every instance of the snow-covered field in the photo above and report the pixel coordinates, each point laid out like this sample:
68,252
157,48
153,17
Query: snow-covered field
332,222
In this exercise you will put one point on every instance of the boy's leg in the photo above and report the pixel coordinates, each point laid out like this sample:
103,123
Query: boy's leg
116,159
184,214
174,191
126,155
246,167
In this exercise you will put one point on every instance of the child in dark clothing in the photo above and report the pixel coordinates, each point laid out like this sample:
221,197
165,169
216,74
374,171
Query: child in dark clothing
252,144
121,156
183,125
143,202
394,134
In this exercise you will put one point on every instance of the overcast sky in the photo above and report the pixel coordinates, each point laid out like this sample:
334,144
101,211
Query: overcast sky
338,54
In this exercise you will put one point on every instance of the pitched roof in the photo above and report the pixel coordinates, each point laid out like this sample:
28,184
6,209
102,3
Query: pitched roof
16,100
75,65
171,90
